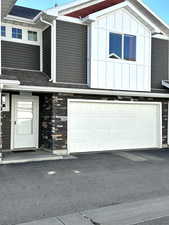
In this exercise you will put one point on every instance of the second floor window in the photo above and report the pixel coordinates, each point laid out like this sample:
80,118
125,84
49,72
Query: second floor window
32,36
122,46
3,31
16,33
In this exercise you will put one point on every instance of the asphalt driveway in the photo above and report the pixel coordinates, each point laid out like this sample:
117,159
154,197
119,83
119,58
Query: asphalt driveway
47,189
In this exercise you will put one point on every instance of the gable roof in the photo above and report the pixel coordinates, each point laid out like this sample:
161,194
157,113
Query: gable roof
151,15
130,8
83,8
81,13
24,12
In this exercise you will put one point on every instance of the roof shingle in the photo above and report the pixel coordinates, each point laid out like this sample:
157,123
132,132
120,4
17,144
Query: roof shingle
24,12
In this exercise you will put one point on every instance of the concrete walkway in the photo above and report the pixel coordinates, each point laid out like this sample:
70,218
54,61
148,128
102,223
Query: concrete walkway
121,214
31,156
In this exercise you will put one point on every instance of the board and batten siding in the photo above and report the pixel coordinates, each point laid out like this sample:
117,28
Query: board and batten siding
119,74
71,53
160,62
20,56
47,51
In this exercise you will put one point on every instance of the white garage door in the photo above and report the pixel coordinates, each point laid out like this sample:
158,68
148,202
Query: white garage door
103,125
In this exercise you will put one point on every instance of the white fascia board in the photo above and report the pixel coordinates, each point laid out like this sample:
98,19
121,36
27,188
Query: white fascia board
108,10
37,17
51,12
71,7
165,84
19,19
163,37
70,19
84,91
73,4
142,16
153,14
9,82
24,20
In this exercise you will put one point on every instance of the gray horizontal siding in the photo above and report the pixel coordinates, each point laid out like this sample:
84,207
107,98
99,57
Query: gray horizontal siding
160,62
47,51
71,53
22,56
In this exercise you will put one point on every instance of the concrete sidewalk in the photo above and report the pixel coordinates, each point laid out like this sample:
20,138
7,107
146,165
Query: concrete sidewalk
120,214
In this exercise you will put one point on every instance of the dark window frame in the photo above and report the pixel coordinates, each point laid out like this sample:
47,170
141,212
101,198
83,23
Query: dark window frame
16,33
3,31
30,32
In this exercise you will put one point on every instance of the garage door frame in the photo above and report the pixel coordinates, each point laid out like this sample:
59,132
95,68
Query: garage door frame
110,102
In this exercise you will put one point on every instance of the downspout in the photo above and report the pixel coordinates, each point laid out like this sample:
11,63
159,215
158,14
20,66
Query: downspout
53,47
1,154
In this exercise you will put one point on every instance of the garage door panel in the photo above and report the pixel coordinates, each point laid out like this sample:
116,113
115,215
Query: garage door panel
97,126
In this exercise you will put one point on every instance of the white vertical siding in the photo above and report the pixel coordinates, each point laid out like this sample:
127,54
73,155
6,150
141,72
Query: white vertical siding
120,74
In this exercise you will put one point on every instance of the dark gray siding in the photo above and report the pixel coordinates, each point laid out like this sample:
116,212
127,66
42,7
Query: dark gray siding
71,52
47,51
160,62
22,56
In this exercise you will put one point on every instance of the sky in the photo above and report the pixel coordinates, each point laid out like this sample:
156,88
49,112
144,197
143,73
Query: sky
160,7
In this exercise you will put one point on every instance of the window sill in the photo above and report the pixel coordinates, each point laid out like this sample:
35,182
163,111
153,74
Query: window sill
121,61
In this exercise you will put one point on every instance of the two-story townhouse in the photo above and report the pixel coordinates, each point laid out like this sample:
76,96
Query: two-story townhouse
91,75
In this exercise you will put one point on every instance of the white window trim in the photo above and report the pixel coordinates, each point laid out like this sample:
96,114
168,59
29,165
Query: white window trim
122,59
24,39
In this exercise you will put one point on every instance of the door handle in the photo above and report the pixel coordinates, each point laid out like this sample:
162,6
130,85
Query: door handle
15,122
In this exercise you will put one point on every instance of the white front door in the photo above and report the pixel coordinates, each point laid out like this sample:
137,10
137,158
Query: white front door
25,113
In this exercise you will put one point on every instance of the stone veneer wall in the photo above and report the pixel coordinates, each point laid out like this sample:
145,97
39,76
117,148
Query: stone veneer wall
6,131
45,121
53,113
6,128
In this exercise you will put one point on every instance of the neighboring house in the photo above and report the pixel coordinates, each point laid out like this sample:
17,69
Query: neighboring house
91,75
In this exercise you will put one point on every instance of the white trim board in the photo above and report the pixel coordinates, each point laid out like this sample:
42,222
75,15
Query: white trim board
168,126
82,4
128,6
25,30
152,13
84,91
70,20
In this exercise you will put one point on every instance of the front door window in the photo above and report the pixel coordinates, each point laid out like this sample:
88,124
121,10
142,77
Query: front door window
24,117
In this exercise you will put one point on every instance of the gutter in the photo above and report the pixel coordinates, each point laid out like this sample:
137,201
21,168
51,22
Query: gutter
85,91
9,82
44,21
